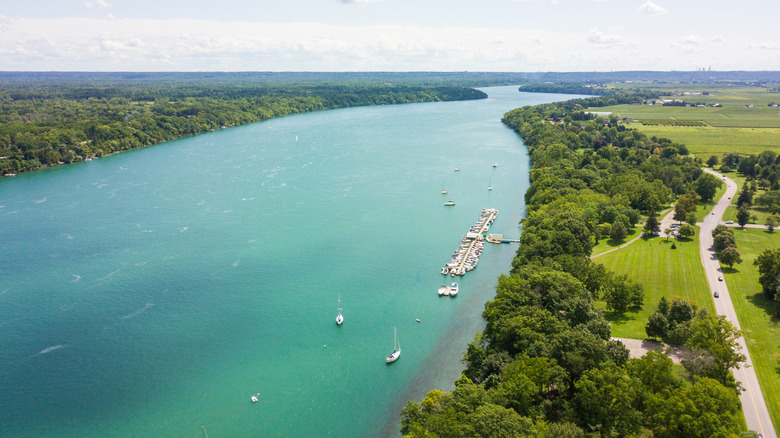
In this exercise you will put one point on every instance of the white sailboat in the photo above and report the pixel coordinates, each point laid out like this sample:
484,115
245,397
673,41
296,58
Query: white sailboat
340,318
392,357
490,186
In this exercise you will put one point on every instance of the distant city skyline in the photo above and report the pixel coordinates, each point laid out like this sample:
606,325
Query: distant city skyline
388,35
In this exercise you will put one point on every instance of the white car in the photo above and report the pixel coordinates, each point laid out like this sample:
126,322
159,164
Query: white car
720,278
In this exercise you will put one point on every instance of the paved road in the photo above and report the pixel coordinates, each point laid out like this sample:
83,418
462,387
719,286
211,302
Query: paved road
753,405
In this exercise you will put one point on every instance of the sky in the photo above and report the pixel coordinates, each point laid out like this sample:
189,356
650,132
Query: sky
388,35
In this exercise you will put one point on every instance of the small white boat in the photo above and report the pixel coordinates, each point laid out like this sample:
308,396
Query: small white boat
445,270
392,357
449,203
457,169
340,318
495,164
444,192
490,186
453,289
254,398
444,290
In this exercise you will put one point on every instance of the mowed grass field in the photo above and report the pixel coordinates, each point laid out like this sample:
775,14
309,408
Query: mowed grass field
756,314
664,272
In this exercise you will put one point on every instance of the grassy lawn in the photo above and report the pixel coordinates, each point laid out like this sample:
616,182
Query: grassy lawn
664,272
756,314
605,244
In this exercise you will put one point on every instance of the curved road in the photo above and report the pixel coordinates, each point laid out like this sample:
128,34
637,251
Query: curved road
753,405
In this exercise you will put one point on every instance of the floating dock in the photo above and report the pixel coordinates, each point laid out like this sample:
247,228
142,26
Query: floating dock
467,255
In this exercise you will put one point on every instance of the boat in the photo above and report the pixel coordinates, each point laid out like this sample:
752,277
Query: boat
445,270
449,203
340,318
453,289
254,398
490,186
392,357
495,164
444,192
457,169
444,290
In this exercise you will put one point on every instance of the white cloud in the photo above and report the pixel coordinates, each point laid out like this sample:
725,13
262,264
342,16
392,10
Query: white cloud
718,39
97,4
769,45
597,37
99,44
650,8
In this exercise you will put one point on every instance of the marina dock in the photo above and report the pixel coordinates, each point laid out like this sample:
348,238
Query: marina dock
467,255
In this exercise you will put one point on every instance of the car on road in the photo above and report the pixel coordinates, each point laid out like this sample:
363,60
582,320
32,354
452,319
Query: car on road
713,213
730,222
716,294
720,278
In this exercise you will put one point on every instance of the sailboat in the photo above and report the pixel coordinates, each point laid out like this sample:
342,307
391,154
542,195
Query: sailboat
340,318
490,186
392,357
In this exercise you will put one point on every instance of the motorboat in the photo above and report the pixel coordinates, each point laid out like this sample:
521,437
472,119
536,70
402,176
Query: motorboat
444,290
453,289
449,203
340,317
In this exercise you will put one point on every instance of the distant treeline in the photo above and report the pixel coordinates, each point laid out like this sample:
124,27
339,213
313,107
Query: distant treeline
545,365
44,122
609,95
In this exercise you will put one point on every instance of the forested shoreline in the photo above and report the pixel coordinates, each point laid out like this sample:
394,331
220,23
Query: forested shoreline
545,365
46,123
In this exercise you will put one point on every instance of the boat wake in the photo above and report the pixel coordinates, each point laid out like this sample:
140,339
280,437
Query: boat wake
78,277
50,349
139,311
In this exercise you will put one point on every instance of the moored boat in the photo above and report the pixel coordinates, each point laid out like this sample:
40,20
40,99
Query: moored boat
392,357
453,289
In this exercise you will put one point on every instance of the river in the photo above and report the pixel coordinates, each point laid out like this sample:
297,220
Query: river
152,293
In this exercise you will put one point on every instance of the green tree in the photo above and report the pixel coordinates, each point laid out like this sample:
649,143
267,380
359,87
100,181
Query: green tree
680,212
718,337
702,410
618,232
768,263
707,185
607,401
730,256
652,225
657,326
620,293
723,241
690,219
668,233
743,216
687,231
712,161
745,197
771,223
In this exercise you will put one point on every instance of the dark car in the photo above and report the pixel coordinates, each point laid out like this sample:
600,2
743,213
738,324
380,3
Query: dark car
716,294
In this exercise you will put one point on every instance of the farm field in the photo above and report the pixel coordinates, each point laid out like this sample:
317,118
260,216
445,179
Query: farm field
760,325
745,122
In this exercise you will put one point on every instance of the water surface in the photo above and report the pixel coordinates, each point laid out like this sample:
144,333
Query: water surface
152,292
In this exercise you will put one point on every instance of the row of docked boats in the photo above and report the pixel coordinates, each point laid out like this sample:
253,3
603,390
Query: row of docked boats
451,291
466,257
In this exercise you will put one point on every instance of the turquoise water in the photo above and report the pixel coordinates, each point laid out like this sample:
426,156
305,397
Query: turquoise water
153,292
